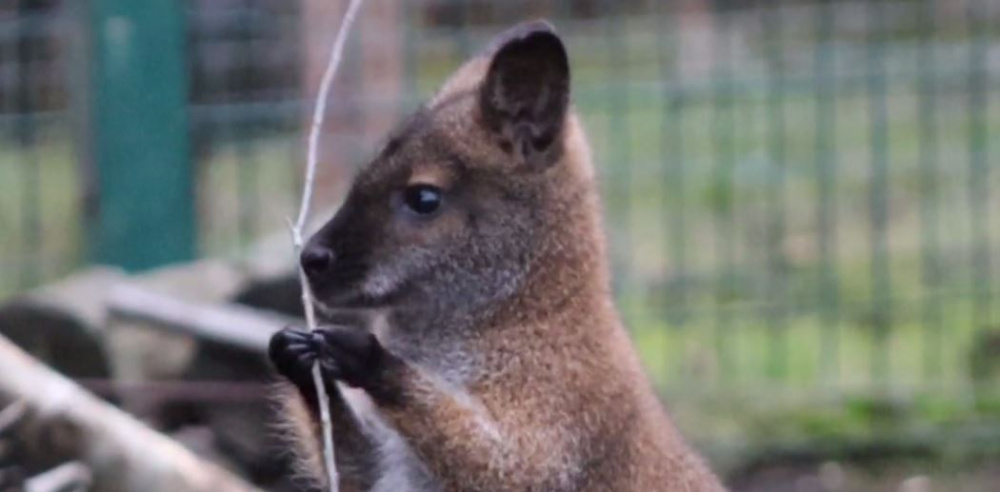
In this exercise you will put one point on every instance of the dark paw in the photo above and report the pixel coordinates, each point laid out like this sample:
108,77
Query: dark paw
344,354
293,353
353,356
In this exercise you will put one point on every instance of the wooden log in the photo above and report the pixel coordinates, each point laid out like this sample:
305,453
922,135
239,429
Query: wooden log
235,325
229,363
62,324
230,324
122,453
141,352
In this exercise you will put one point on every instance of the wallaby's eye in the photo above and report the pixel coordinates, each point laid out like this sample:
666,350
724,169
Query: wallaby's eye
422,199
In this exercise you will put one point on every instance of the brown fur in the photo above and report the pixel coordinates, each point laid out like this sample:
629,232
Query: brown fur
509,368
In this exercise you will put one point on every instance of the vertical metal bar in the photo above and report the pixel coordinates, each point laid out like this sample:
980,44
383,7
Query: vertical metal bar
146,213
881,286
777,208
618,148
26,36
672,150
978,186
825,136
723,217
462,33
410,51
296,153
245,124
672,153
219,136
359,114
931,313
10,258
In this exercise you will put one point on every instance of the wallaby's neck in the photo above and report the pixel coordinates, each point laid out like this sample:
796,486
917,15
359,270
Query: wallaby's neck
569,271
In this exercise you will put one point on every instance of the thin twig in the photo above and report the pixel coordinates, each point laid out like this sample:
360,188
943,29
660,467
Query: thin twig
307,192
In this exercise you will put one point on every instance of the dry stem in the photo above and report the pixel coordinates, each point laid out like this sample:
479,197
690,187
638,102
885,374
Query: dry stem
307,192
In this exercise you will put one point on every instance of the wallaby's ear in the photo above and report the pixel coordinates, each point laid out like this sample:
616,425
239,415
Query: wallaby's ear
525,94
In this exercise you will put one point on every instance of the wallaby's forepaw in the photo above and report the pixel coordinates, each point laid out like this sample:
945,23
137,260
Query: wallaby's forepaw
353,356
293,353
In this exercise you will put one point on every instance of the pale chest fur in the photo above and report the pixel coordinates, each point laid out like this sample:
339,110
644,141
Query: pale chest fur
398,467
452,367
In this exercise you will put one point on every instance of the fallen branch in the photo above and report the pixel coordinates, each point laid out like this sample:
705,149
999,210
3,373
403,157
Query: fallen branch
231,324
235,325
122,453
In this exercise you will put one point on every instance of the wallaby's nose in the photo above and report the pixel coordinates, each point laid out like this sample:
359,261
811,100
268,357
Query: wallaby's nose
316,260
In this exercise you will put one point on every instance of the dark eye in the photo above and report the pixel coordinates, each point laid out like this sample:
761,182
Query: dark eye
422,199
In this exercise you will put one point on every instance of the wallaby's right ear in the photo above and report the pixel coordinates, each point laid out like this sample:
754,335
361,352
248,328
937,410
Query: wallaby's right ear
525,94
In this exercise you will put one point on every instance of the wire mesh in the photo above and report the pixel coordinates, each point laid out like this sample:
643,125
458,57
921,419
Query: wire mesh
800,195
39,185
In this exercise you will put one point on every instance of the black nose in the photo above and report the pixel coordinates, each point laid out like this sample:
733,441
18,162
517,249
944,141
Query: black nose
316,260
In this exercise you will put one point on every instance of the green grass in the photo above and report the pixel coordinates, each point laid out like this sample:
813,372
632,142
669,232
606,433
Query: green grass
246,190
41,217
801,351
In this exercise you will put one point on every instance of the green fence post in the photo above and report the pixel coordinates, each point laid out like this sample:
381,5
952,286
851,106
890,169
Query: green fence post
145,215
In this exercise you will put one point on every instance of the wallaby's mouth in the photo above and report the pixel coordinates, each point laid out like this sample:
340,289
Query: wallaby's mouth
352,317
346,298
350,296
341,286
337,307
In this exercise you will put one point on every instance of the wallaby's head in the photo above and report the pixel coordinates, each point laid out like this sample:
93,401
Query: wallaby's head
460,204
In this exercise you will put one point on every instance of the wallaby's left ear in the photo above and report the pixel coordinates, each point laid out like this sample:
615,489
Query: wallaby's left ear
525,94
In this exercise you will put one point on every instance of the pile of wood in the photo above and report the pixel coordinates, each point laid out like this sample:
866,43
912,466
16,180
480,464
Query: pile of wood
111,382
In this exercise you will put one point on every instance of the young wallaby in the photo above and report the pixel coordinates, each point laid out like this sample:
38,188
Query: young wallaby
500,362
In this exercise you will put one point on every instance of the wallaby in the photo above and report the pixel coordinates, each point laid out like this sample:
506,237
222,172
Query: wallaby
500,362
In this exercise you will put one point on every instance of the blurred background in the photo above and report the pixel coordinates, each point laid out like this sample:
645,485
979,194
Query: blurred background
801,199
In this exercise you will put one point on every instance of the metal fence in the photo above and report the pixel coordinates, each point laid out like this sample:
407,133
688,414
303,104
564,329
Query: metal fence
33,140
801,195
